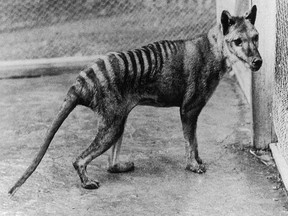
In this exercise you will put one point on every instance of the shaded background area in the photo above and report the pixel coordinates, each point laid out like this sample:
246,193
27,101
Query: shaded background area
32,29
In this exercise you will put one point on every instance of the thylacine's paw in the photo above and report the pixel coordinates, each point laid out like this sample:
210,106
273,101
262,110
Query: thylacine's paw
91,184
197,168
121,167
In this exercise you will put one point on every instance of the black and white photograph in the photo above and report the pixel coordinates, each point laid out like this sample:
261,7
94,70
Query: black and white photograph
144,107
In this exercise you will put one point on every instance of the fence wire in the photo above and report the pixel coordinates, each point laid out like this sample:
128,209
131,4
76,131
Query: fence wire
32,29
280,96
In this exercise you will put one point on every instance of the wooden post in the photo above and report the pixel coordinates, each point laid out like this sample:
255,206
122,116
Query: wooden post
262,80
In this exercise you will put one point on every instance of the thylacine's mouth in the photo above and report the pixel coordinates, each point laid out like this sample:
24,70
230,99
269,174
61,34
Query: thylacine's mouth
253,68
254,65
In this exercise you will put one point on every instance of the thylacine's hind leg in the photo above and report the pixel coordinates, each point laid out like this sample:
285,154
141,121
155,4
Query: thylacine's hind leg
189,124
109,131
114,165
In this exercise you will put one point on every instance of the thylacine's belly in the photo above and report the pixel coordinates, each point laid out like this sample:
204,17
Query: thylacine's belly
159,102
160,98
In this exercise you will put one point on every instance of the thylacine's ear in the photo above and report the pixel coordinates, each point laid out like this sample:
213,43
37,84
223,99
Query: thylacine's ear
251,15
226,21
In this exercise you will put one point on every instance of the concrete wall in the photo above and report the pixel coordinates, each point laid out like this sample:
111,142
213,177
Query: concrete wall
262,81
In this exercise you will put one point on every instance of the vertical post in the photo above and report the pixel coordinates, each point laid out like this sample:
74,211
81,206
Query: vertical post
262,80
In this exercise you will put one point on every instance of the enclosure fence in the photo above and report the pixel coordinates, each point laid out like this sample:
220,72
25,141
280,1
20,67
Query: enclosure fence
32,29
280,97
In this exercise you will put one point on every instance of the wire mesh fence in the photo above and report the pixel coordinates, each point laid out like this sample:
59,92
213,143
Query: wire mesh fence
280,96
32,29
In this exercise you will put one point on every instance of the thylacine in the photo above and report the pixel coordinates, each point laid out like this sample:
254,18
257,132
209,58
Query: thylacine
181,73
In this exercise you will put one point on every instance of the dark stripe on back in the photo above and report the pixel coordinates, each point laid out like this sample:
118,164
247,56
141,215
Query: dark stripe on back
158,47
91,75
82,81
83,98
169,46
165,48
97,86
141,62
114,61
102,68
174,46
148,55
153,49
111,86
126,70
134,67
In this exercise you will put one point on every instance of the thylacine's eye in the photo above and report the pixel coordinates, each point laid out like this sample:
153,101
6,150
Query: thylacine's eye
238,42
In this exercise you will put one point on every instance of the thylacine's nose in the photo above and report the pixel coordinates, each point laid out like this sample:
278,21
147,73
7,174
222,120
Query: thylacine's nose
256,63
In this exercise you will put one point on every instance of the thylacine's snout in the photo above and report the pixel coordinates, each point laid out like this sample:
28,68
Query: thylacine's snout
256,63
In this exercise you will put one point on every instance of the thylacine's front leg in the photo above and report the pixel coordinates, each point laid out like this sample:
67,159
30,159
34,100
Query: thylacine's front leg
189,124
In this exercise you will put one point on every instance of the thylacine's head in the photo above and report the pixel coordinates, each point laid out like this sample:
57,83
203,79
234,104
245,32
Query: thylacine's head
241,38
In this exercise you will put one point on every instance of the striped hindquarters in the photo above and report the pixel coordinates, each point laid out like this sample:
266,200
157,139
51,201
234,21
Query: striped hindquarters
120,72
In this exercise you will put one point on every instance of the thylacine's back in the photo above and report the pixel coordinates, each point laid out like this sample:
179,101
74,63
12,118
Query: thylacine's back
157,74
136,73
180,73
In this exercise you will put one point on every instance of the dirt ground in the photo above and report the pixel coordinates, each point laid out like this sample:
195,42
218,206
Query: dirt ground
236,183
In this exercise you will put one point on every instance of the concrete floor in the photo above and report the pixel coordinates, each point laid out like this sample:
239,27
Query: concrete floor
235,183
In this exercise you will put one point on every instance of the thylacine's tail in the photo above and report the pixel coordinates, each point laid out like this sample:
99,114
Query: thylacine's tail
69,104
